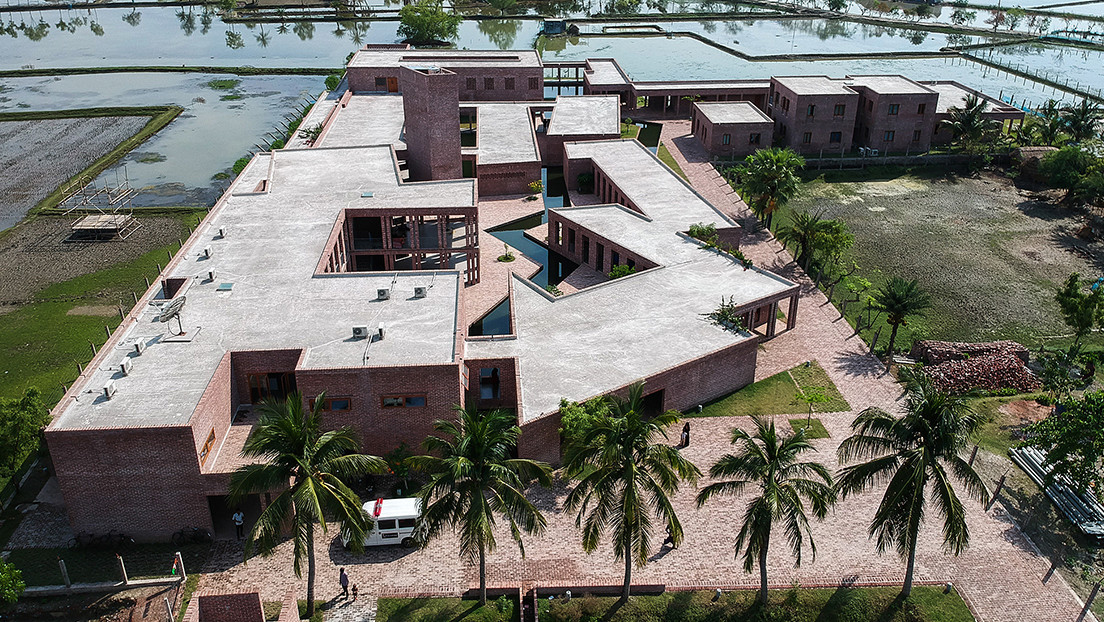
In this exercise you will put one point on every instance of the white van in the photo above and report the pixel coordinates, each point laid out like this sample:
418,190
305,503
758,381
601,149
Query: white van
393,521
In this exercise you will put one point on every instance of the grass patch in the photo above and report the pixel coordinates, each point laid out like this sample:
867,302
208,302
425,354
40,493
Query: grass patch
817,386
190,585
43,344
669,160
629,130
231,97
880,604
271,610
151,158
143,561
814,429
503,609
318,605
222,84
779,395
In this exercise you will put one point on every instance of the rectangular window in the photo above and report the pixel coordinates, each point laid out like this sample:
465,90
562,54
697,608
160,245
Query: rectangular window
753,139
470,84
920,108
586,249
785,103
894,109
571,240
275,386
509,84
839,110
599,257
888,137
807,137
915,136
810,110
559,233
489,383
206,451
835,137
334,403
387,523
615,258
488,84
534,84
381,83
726,139
406,523
630,262
402,401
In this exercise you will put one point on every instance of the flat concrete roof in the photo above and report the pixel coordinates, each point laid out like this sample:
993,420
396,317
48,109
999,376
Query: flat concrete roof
504,132
732,112
609,335
889,84
368,120
605,72
702,85
953,94
446,58
814,85
586,115
274,241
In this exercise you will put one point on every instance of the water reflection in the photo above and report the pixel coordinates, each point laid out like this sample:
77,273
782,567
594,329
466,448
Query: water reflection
500,32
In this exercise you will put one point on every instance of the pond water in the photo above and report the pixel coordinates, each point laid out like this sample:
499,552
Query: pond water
1081,66
176,165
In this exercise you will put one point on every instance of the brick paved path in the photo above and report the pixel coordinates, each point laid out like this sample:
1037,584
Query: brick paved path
1000,575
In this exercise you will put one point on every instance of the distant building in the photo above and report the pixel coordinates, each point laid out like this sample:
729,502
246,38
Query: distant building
733,129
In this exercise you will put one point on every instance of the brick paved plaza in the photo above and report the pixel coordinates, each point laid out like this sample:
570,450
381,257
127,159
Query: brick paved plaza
1000,575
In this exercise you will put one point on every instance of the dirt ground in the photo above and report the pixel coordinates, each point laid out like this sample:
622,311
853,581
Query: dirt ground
139,605
38,156
37,253
991,254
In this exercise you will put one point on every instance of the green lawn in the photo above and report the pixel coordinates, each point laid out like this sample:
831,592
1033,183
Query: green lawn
814,428
779,395
882,604
40,566
629,130
432,609
42,342
669,160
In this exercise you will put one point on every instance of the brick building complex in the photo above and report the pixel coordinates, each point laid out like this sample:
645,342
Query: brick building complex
344,264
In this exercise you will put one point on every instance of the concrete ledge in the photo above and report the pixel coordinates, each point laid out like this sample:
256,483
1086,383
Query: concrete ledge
40,591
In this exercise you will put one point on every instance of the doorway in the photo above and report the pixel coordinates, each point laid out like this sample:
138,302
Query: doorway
392,85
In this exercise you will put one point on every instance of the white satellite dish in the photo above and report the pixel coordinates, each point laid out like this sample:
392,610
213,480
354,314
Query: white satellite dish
172,310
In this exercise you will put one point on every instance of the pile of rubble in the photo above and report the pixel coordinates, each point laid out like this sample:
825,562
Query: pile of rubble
960,367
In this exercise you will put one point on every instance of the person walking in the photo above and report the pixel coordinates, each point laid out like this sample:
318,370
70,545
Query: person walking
354,592
343,579
685,442
670,537
239,523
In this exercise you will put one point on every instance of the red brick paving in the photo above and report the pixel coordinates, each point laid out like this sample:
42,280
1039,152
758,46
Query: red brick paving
1000,575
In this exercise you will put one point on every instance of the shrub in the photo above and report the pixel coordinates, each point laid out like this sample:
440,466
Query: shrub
241,163
620,271
536,187
726,316
311,133
704,232
11,583
333,81
1066,167
576,419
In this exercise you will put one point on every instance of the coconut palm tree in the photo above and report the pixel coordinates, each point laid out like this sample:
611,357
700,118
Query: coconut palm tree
627,479
768,178
899,299
473,481
1049,124
786,485
807,231
918,455
311,468
968,123
1081,119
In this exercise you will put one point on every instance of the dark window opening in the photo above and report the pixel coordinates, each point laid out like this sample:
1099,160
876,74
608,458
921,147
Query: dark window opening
489,384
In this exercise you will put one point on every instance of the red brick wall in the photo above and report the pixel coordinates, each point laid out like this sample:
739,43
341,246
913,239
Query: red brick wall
259,362
540,439
363,79
144,482
432,111
711,135
383,429
511,178
820,125
874,120
508,382
214,411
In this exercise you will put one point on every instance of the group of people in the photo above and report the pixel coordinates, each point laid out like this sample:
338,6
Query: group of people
343,579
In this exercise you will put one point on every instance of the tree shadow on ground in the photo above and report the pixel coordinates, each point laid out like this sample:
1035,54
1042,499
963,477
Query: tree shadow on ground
858,364
340,555
1068,240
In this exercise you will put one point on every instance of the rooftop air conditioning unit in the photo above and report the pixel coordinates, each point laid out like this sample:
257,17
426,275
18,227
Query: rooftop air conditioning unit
360,332
139,348
222,232
207,251
210,275
379,332
383,294
109,389
126,366
420,292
